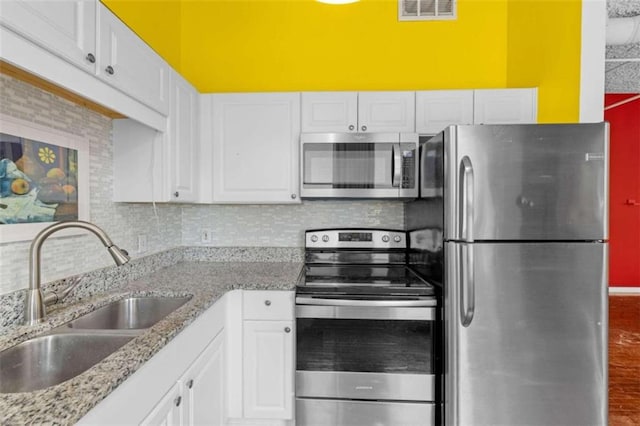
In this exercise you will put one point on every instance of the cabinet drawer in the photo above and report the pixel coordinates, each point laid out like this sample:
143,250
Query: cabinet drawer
268,305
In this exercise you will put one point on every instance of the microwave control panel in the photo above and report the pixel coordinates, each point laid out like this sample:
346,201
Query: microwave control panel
408,169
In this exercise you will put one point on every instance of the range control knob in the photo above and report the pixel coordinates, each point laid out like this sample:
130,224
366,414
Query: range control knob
397,238
385,238
314,238
325,238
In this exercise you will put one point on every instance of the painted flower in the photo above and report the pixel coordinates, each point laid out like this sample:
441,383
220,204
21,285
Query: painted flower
46,155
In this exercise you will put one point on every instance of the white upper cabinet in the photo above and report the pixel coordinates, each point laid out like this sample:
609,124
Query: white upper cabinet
437,109
505,106
358,111
66,27
183,144
386,111
329,111
255,147
128,63
158,166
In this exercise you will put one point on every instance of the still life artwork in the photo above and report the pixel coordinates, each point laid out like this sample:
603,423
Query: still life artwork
43,178
38,181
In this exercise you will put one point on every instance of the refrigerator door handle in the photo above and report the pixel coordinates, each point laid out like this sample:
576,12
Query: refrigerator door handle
466,199
467,285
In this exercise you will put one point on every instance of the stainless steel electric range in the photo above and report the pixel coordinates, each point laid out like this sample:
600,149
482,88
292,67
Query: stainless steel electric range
367,332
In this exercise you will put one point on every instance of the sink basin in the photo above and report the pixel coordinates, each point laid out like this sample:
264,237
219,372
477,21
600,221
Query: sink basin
129,314
52,359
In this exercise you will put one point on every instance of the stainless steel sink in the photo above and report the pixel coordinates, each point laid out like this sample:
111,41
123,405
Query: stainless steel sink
129,314
76,346
52,359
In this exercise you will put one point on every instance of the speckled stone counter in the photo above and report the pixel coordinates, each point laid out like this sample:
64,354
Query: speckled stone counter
67,402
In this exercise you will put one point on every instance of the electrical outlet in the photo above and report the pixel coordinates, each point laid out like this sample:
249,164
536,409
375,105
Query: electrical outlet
142,243
205,236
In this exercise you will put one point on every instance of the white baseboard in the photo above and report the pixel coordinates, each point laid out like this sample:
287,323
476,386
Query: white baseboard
624,290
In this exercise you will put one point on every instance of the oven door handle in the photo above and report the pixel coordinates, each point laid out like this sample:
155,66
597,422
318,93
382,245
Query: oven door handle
367,303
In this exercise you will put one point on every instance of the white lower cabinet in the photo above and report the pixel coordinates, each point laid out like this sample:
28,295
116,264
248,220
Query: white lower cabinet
168,411
198,396
268,369
203,387
232,366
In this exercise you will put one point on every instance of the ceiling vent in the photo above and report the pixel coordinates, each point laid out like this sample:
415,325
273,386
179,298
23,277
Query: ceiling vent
426,10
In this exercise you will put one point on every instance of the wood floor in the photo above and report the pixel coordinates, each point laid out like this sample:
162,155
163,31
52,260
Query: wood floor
624,360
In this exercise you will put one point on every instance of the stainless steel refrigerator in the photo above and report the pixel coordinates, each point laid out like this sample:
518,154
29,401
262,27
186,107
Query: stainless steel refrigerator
512,222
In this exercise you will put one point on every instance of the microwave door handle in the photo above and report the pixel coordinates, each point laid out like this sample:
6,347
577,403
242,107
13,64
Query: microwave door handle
396,167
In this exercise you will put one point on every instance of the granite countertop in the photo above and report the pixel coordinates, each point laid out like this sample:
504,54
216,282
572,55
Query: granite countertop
67,402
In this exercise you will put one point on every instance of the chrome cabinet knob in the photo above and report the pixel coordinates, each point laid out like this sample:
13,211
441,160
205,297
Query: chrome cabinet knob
176,194
91,58
110,70
364,128
267,302
293,196
287,329
190,384
351,127
177,401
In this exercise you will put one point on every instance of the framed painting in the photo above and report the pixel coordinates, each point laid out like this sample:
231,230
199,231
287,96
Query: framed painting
44,178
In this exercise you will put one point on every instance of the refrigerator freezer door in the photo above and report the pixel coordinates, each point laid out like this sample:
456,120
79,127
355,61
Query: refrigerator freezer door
533,351
530,182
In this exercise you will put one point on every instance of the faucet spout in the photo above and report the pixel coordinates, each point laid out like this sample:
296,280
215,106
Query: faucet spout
35,306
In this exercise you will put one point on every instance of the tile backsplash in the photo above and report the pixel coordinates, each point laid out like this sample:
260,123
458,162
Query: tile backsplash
167,226
67,256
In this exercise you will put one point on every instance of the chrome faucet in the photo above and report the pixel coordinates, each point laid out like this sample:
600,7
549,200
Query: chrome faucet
36,301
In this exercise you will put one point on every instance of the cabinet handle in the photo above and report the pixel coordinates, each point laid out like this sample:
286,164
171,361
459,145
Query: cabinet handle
364,128
267,302
190,384
293,196
177,401
287,329
351,127
176,194
631,202
109,70
91,58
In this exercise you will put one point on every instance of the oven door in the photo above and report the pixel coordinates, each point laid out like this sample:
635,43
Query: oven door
362,165
366,349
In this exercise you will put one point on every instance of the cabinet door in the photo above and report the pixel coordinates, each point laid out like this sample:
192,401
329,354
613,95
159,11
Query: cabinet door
505,106
65,27
255,148
184,138
127,63
203,386
168,411
437,109
268,369
330,112
386,112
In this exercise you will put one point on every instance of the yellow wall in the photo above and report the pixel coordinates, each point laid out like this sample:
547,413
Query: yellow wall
306,45
544,46
291,45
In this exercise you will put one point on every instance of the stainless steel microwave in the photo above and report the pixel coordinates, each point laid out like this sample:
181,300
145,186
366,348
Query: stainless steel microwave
359,165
